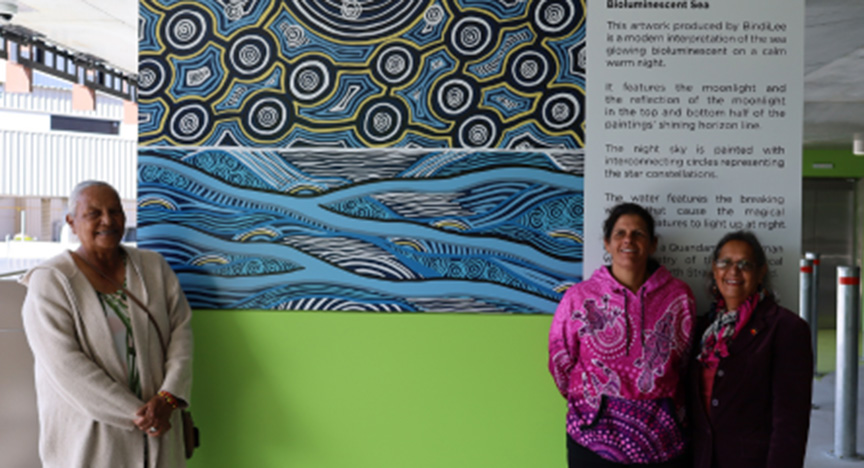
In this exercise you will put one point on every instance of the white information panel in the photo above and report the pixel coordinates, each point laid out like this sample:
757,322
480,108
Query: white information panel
695,112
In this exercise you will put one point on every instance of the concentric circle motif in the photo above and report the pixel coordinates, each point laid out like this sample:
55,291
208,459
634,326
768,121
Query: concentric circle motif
530,68
471,36
395,64
309,80
478,132
151,77
295,35
189,122
358,20
382,122
455,96
560,111
434,15
351,9
554,15
234,11
250,54
267,116
185,29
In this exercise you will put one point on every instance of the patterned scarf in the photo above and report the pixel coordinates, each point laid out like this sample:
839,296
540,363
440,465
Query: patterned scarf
718,335
118,303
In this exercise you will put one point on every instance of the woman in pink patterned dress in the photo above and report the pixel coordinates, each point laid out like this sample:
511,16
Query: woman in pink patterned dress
618,347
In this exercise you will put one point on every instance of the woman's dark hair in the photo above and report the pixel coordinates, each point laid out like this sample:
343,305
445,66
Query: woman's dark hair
744,236
758,256
627,209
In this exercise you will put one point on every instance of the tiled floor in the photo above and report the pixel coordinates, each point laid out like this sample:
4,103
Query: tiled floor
820,446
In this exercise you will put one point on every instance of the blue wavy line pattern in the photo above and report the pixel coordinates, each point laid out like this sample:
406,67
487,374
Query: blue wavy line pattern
504,239
548,218
188,258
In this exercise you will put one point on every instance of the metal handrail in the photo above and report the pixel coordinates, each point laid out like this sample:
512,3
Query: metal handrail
12,273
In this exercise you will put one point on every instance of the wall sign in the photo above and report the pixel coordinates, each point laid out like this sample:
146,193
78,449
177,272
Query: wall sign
696,112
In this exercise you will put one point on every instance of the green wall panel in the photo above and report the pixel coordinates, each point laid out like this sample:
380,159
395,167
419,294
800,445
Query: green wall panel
322,390
832,162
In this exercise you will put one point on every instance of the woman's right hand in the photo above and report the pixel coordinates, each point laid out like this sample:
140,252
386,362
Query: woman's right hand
154,418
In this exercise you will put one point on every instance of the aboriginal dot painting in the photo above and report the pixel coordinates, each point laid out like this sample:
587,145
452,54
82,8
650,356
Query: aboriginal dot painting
391,155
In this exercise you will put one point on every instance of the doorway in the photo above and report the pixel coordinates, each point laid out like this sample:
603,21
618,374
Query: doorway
828,228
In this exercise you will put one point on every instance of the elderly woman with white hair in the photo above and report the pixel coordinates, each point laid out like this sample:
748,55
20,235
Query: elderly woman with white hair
110,332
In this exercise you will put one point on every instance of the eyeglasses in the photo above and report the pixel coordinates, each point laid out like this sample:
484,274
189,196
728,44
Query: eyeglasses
743,265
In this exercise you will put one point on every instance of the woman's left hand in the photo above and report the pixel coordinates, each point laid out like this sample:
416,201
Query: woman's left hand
154,418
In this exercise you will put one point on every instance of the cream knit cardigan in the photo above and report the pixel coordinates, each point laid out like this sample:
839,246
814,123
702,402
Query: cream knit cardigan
85,406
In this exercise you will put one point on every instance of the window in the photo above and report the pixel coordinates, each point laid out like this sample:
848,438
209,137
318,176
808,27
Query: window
77,124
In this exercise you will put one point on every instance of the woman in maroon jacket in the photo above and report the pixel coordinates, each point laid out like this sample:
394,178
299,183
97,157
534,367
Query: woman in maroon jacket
752,376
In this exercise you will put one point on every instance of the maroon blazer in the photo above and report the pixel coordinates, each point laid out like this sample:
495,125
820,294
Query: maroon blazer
760,403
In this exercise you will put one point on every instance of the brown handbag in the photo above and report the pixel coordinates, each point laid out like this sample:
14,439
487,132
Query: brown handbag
191,434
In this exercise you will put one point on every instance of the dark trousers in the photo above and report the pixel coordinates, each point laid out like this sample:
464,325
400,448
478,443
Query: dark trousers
580,457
